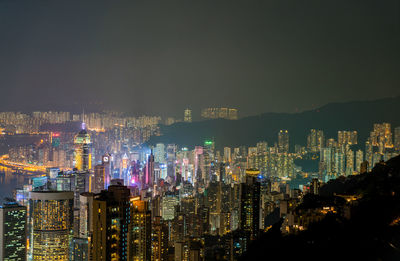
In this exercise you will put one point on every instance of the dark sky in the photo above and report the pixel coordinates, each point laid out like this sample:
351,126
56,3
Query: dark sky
160,57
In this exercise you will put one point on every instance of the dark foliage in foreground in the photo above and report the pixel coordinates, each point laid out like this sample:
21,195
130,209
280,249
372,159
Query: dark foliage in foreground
371,233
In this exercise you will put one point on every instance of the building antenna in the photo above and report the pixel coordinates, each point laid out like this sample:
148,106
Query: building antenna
83,119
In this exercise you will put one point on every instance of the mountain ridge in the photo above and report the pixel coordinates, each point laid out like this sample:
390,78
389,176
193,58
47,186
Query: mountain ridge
357,115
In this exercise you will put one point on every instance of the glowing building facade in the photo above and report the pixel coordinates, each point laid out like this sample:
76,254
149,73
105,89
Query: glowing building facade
222,113
149,178
283,141
99,178
160,240
13,227
250,203
187,115
110,220
139,235
397,138
315,140
82,153
52,223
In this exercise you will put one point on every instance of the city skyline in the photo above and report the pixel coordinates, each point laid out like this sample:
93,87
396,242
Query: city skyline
202,194
199,130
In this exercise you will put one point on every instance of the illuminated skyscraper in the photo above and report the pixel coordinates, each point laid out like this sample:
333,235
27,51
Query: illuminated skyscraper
227,154
232,114
315,140
188,116
159,153
198,156
13,227
349,162
208,154
139,231
160,240
106,162
397,138
221,113
369,153
125,175
149,171
347,137
52,223
283,141
82,184
99,178
168,204
80,249
376,158
85,214
82,154
339,163
359,160
381,136
250,203
111,217
171,158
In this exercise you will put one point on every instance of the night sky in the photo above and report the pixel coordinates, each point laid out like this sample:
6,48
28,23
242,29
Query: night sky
161,57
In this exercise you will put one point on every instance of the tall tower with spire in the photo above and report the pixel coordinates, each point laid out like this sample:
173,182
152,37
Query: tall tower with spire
149,173
82,155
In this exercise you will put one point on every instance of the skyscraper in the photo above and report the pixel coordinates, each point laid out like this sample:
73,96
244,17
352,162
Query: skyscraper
80,249
168,204
171,158
85,215
160,240
250,204
347,137
232,114
99,178
339,163
359,159
82,155
159,153
13,228
349,162
139,231
106,162
52,223
283,141
111,217
381,136
149,171
187,115
397,138
369,152
227,154
315,140
222,113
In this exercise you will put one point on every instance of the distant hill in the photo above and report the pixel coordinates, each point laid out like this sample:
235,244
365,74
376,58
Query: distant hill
358,115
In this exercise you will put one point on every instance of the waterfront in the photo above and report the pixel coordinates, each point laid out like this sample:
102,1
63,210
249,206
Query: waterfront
9,180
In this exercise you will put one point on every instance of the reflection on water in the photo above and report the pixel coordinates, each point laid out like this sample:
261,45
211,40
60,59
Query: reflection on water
9,181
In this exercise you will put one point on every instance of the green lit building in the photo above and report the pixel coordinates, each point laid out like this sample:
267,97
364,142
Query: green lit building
13,222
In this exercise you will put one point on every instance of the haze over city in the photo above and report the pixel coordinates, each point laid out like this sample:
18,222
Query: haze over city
160,57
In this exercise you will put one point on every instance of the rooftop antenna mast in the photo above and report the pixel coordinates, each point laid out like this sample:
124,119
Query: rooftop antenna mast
83,119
